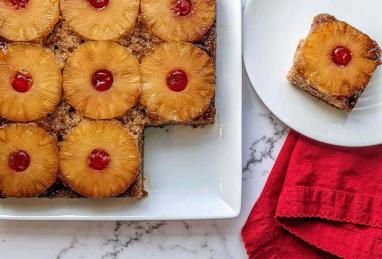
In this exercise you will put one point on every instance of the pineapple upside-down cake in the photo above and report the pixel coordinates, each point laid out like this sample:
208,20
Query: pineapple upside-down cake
335,62
78,89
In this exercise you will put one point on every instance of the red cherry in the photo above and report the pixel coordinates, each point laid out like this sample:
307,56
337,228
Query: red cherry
18,4
102,80
99,4
182,7
22,82
177,80
99,159
341,56
19,160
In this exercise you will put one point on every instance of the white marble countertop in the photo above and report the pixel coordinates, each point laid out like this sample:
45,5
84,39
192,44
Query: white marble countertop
263,136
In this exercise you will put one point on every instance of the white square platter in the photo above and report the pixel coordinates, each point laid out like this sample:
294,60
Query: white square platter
190,173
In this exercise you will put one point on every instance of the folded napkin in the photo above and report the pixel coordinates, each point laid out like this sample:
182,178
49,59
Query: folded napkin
320,201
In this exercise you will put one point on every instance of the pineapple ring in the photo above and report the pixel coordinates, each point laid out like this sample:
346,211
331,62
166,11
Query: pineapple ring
161,19
118,18
90,58
42,170
44,95
316,59
166,105
33,22
116,141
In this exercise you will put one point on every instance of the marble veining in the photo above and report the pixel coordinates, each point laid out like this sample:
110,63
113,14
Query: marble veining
73,244
263,147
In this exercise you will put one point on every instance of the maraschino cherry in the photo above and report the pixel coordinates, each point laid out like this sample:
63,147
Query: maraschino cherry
99,4
177,80
102,80
99,159
19,4
182,7
341,56
22,82
19,160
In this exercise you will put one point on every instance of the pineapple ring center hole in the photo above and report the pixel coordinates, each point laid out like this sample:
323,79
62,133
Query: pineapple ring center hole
99,4
19,160
22,81
341,56
182,7
99,159
18,4
102,80
177,80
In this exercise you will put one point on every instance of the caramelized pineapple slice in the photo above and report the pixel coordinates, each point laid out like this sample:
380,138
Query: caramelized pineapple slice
30,82
99,159
28,20
336,58
178,82
101,80
28,160
101,19
179,20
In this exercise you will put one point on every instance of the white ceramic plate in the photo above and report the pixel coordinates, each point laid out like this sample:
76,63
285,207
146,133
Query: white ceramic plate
272,30
190,173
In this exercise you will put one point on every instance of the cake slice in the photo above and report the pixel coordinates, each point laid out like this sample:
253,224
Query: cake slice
99,159
28,160
101,19
30,83
25,20
179,20
178,82
335,62
97,86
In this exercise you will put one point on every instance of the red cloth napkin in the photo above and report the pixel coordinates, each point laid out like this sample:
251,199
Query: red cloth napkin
320,201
